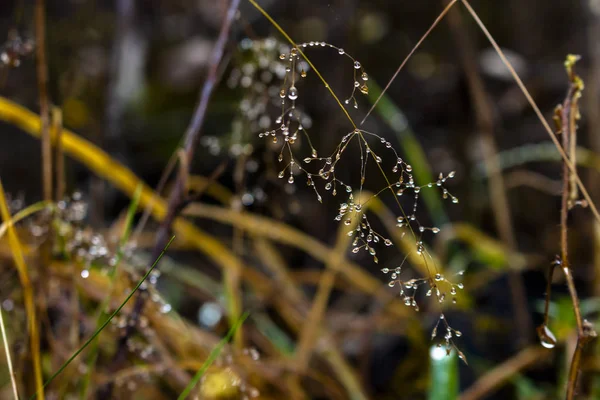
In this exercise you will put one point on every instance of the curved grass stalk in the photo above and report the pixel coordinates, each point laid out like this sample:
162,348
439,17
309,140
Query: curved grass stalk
32,323
24,213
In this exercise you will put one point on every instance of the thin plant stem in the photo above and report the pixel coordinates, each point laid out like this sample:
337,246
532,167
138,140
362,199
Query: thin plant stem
190,141
497,190
565,117
192,133
11,372
110,317
431,28
42,76
536,109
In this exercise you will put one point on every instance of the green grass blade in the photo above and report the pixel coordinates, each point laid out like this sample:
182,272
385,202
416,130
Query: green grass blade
413,151
444,374
101,313
97,332
212,357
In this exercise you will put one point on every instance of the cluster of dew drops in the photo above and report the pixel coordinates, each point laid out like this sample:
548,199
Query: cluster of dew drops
286,130
89,249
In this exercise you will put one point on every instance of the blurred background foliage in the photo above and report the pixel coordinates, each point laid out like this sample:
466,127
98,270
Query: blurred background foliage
126,76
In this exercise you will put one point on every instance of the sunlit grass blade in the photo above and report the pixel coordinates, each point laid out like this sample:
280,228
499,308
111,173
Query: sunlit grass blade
32,324
212,357
102,309
444,374
111,316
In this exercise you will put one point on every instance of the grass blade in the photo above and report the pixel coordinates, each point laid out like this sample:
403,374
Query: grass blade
212,357
32,325
444,374
101,313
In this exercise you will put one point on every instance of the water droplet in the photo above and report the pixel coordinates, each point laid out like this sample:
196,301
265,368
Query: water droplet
85,273
291,179
387,242
165,308
303,74
438,277
547,338
364,89
293,93
282,93
391,283
341,51
356,65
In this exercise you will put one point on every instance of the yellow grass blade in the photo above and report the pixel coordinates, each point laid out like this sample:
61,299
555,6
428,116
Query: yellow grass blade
32,325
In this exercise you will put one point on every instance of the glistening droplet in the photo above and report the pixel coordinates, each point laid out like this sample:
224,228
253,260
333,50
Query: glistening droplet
293,93
547,338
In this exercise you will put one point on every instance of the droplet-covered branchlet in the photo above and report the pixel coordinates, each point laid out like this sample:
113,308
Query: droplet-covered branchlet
320,172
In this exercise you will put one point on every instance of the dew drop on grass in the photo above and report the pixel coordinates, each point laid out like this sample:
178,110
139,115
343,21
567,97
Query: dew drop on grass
547,338
293,93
